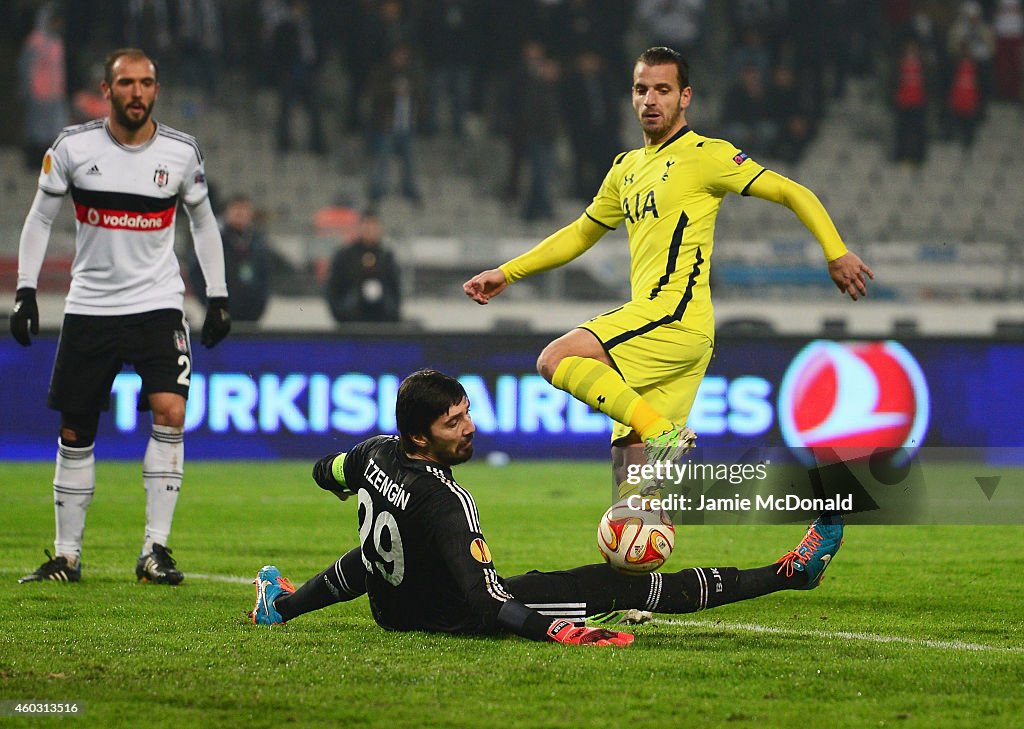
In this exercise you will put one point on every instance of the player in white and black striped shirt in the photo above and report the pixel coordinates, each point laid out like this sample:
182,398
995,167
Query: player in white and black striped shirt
425,565
126,175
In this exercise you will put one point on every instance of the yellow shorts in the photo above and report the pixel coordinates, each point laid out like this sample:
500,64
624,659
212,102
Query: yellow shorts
656,356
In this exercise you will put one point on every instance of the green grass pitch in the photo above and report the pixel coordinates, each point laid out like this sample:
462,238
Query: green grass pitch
913,627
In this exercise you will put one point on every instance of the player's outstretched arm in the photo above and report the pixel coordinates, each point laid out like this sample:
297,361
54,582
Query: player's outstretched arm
554,251
455,538
515,617
847,270
485,286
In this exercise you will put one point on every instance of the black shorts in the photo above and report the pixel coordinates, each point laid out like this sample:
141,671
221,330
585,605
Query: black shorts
93,349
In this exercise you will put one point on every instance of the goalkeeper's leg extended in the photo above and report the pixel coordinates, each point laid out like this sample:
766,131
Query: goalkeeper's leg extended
598,590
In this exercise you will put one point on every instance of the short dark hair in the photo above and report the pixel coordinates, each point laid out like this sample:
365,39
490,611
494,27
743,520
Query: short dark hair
662,55
112,58
423,397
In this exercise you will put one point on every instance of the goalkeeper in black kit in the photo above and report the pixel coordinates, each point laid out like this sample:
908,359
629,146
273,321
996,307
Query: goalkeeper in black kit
424,563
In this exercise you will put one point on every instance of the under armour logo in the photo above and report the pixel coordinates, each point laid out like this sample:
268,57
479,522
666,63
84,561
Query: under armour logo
58,502
627,180
668,164
601,400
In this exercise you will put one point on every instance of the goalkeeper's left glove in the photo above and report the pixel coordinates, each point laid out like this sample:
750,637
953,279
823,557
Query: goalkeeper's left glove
566,633
218,321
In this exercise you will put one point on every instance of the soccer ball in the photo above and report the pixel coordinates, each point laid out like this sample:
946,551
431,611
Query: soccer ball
635,540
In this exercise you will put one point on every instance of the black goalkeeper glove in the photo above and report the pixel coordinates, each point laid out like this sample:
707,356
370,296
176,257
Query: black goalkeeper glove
218,321
24,316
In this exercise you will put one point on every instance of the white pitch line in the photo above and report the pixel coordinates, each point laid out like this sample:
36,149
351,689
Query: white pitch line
952,645
87,570
233,579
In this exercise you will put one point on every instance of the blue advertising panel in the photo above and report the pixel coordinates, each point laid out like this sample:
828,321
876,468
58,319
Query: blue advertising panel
301,397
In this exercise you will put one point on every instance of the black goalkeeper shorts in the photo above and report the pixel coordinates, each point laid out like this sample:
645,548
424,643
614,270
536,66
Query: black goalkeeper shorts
93,349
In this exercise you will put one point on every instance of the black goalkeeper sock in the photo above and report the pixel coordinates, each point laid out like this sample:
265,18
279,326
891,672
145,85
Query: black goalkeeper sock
342,581
316,593
763,581
700,588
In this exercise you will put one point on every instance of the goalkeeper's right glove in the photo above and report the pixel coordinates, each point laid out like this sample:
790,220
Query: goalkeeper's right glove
24,316
566,633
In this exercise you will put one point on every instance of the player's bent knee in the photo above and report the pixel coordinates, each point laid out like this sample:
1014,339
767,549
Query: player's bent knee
170,419
168,409
549,359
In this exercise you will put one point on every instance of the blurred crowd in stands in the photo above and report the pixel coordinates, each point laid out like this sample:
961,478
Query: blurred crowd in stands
536,71
950,62
530,75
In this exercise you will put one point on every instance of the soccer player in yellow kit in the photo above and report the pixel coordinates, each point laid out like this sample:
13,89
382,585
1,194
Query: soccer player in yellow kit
641,364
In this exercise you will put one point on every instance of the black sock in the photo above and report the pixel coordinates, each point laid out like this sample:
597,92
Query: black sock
700,588
762,581
342,581
316,593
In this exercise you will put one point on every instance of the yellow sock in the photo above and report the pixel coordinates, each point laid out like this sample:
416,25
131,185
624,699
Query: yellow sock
602,388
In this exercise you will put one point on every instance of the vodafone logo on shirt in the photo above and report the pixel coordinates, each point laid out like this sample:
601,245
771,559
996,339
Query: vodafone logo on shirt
123,220
854,397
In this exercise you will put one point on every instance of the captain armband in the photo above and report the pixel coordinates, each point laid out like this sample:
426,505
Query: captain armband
338,468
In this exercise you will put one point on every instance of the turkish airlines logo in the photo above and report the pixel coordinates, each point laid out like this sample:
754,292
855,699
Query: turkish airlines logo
854,397
122,220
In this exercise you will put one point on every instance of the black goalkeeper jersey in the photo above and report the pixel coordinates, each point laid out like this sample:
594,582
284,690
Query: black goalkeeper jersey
428,566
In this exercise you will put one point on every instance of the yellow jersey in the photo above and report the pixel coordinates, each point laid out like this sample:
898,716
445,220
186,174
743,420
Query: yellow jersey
668,195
